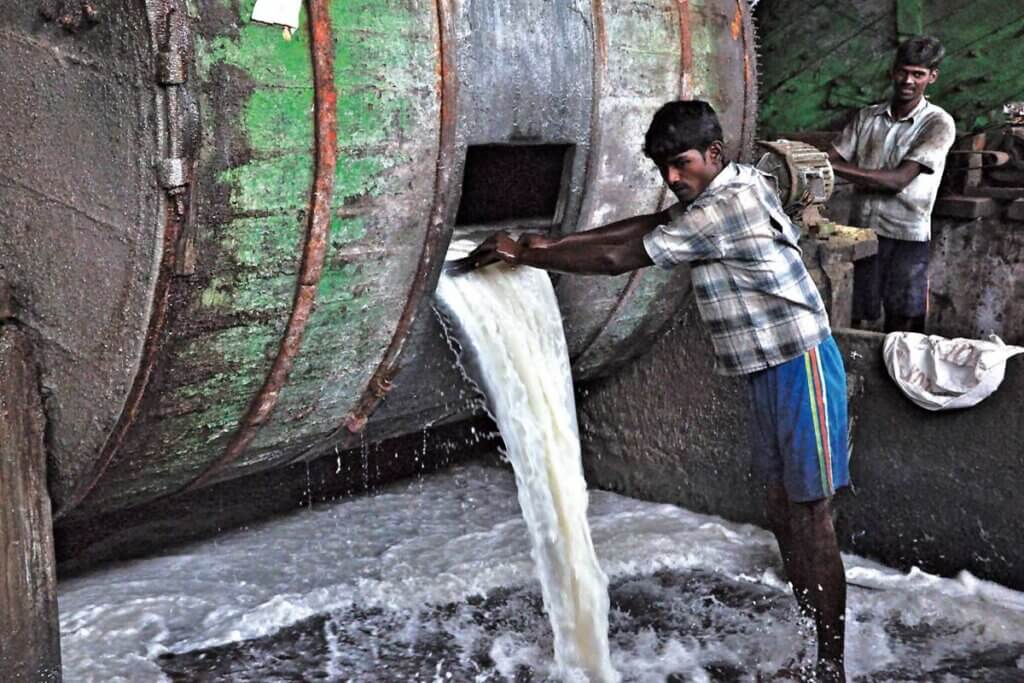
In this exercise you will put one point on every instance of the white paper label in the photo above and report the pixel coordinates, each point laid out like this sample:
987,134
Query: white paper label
280,12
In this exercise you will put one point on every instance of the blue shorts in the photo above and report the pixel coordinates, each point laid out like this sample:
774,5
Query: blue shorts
798,430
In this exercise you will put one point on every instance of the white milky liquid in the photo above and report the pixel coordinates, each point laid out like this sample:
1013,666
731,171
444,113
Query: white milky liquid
509,319
436,572
451,537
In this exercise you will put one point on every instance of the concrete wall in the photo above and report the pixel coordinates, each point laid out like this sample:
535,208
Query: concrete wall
977,278
934,490
976,272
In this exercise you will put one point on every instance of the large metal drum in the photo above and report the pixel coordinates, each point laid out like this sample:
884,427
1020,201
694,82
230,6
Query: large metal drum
223,239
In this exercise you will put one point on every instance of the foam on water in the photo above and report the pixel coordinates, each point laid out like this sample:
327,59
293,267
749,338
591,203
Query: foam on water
451,537
509,318
433,580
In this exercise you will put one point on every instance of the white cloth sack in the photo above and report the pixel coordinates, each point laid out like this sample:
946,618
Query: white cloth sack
941,374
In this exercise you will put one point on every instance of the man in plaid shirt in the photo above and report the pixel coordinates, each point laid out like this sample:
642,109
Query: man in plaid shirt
767,322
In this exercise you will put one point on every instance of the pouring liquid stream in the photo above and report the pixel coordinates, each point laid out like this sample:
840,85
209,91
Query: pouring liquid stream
511,329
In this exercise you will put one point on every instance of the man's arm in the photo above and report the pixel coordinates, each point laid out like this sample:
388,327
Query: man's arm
608,250
843,149
585,257
618,232
891,180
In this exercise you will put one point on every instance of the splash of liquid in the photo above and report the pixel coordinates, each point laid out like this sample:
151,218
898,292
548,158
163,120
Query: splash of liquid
512,330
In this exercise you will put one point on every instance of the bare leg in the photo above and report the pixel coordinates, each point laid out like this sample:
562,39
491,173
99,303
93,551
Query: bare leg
810,555
778,520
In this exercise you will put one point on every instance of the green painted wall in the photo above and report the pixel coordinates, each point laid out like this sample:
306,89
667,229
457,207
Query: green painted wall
823,58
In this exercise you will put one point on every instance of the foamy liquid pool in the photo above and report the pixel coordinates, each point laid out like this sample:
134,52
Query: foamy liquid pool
432,580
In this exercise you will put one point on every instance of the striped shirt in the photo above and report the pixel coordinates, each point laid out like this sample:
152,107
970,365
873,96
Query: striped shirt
875,140
752,288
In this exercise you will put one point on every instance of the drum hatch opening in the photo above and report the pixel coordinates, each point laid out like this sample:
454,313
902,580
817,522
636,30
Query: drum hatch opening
514,186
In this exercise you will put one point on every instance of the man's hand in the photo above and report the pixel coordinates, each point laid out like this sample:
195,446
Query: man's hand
498,247
507,248
890,180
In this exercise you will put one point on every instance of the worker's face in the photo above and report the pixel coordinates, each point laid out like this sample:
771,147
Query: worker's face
909,81
688,173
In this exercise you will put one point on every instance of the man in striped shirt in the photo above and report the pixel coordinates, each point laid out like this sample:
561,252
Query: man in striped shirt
767,322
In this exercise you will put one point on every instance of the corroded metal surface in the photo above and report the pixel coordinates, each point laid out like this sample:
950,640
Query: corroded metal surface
325,129
167,31
350,430
706,53
439,229
388,119
81,226
254,178
596,340
154,335
516,86
220,324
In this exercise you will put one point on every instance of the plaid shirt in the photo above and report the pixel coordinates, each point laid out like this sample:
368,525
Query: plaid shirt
752,288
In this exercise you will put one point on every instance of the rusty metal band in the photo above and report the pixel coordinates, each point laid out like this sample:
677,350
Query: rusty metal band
431,255
344,436
600,47
174,222
685,92
150,350
314,249
600,66
748,130
685,51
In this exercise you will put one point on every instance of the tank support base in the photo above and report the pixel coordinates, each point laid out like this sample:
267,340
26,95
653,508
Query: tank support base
30,648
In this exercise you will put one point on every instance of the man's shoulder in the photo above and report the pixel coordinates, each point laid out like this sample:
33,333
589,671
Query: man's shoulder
870,111
933,112
747,192
743,176
861,123
742,180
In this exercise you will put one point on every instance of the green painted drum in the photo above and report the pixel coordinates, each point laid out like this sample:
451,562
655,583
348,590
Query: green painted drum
224,235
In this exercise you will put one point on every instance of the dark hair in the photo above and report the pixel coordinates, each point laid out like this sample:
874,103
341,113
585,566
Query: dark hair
680,126
924,51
